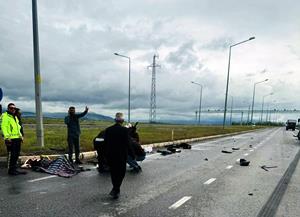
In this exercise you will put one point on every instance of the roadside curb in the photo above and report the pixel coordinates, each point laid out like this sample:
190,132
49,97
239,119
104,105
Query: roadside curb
93,154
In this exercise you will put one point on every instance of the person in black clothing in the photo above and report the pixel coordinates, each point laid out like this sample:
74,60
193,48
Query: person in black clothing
139,152
72,121
99,147
18,114
116,144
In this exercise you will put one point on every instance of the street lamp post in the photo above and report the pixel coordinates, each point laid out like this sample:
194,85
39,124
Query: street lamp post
226,94
129,80
200,103
254,97
262,106
231,110
248,116
267,115
37,77
242,115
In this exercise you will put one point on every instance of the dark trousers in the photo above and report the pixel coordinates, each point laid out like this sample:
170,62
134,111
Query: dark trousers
117,173
73,141
13,151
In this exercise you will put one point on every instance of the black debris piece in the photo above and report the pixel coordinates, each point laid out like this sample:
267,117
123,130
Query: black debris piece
264,167
250,194
184,145
227,152
206,159
250,146
164,152
235,149
173,150
244,162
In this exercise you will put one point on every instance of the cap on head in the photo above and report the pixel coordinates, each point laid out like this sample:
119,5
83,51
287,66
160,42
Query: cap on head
119,117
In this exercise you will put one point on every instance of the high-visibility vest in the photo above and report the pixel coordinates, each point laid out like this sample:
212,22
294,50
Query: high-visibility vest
10,126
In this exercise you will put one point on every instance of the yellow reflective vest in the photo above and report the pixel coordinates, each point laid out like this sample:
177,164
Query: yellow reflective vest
10,126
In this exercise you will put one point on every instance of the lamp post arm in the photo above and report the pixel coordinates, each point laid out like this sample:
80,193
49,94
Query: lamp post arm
243,41
226,93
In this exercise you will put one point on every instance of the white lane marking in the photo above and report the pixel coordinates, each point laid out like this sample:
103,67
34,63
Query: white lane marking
43,178
246,154
180,202
209,181
255,147
199,149
237,160
251,150
229,167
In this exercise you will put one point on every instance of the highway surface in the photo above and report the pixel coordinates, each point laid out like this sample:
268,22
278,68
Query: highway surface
202,181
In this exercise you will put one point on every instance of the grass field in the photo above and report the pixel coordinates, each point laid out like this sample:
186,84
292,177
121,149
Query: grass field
55,134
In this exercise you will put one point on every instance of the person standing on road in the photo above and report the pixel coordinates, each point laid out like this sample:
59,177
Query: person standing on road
72,122
13,138
18,114
116,143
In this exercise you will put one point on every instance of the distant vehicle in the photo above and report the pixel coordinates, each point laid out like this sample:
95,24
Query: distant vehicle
290,124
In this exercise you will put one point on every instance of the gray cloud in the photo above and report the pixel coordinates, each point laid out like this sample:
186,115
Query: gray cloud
78,39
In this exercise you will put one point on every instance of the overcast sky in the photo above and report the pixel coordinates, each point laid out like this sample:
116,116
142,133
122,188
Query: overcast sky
191,37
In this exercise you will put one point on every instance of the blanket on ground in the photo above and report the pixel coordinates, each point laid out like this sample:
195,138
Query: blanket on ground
61,167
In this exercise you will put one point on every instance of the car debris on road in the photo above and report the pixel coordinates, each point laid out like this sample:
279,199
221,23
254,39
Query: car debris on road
244,162
264,167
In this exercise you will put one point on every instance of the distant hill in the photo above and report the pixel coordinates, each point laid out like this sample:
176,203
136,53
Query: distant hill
60,115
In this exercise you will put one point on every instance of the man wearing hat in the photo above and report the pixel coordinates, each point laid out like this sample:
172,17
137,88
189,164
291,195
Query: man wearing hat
116,143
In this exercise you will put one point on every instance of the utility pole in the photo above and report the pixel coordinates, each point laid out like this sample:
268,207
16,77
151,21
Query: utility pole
242,117
152,113
37,77
231,110
248,115
267,114
196,112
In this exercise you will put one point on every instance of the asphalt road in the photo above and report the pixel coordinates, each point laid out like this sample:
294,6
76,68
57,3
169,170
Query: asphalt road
182,184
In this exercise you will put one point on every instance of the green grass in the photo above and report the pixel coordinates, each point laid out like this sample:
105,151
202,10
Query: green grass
56,133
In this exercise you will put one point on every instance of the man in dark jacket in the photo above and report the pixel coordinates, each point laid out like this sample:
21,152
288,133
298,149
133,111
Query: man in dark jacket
116,142
72,121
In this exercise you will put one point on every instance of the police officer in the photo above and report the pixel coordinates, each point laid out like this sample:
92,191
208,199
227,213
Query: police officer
72,122
11,130
116,144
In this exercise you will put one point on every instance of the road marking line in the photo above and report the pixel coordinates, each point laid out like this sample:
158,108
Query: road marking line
229,167
246,154
43,178
251,150
209,181
180,202
255,147
237,160
199,149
